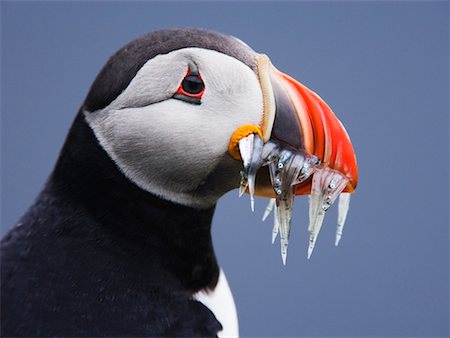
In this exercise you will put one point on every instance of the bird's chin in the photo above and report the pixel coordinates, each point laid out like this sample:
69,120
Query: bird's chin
222,179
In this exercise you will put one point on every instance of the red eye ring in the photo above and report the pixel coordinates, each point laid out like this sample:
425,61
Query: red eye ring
192,86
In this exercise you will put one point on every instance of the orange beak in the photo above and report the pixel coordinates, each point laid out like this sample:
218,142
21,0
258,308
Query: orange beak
299,148
297,117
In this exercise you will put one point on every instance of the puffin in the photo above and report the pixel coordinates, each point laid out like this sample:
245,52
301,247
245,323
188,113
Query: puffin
118,242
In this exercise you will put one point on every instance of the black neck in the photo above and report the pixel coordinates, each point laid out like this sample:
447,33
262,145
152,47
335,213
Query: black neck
176,237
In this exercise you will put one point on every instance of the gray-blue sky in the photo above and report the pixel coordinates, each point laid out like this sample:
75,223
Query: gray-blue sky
381,66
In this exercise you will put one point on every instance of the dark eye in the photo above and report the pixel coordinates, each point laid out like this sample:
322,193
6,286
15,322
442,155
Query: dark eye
192,85
191,88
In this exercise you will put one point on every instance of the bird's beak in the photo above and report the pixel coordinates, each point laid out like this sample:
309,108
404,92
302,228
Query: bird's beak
299,148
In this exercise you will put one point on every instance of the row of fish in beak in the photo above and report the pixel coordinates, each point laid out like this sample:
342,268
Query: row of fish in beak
289,168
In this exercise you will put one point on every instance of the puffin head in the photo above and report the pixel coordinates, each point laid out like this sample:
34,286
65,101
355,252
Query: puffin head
189,114
165,106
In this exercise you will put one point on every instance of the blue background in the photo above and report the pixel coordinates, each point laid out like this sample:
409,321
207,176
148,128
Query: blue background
381,66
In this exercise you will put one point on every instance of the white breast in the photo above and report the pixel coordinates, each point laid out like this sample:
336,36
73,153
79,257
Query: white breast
220,301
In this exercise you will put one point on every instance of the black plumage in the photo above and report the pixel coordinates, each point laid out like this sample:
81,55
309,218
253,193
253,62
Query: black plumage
96,255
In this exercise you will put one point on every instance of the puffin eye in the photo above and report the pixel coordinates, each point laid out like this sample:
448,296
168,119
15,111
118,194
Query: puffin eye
191,88
192,85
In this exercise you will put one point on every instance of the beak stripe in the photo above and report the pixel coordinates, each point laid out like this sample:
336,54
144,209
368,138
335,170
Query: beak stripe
335,145
268,117
302,110
286,126
322,137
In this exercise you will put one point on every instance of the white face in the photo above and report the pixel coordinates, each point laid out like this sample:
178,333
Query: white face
176,149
